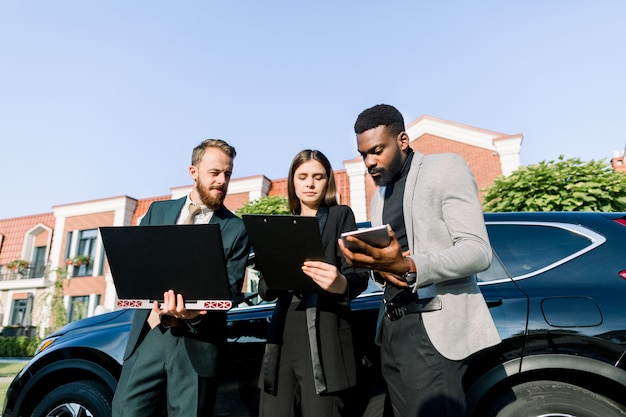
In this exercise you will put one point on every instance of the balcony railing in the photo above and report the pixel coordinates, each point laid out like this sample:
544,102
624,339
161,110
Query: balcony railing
27,272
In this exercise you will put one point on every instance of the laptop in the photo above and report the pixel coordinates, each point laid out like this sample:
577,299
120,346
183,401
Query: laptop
281,244
146,261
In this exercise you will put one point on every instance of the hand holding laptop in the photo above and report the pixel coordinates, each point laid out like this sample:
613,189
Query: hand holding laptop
174,305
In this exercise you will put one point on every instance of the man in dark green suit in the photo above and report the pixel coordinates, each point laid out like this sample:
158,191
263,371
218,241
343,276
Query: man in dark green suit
170,361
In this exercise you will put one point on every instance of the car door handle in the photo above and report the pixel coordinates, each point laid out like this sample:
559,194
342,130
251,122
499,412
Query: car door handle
493,302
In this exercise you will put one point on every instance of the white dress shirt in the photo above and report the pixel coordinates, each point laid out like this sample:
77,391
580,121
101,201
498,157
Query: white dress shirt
201,218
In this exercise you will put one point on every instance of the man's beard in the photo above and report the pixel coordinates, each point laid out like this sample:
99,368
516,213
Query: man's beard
387,175
213,203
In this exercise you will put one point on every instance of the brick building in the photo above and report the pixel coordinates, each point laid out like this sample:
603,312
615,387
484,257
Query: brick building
617,162
47,241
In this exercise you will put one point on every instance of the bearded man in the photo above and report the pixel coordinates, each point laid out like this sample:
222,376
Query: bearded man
433,315
170,363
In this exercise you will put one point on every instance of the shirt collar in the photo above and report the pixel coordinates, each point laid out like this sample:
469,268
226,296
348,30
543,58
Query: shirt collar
204,210
406,165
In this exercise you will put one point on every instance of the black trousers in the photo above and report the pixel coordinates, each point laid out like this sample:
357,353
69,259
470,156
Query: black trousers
420,382
296,394
158,376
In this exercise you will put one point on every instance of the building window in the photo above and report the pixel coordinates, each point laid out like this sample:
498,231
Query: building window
18,311
68,245
78,307
38,265
86,246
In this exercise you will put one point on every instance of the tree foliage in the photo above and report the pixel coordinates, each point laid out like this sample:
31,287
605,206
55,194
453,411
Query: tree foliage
265,205
562,185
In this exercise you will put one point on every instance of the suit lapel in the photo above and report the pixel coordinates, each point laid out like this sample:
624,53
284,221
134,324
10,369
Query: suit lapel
409,195
219,217
172,212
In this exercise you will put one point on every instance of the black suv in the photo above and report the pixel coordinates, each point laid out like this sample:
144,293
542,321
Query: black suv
556,290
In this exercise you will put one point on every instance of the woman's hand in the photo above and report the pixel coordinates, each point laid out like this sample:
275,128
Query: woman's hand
327,276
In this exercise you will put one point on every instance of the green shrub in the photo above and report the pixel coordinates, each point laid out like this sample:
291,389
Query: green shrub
18,346
265,205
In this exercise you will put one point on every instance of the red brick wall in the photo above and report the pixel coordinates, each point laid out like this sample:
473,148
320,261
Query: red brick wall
84,222
342,182
618,164
85,286
370,189
235,201
42,238
142,207
232,202
485,164
278,187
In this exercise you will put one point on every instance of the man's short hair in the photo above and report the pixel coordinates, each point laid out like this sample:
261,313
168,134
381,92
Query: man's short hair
380,114
198,151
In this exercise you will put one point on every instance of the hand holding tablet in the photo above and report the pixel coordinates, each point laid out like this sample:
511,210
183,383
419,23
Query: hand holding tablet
377,236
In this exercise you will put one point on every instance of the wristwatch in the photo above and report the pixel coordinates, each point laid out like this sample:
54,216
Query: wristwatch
191,324
410,277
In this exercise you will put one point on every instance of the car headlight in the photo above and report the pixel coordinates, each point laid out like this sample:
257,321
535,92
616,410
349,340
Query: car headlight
44,345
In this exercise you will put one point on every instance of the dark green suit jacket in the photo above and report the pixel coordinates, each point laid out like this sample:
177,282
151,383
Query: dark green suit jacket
202,347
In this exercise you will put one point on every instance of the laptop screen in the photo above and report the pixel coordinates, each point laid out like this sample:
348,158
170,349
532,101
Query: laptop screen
146,261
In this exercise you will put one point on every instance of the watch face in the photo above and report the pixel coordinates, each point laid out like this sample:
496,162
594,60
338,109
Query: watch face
410,277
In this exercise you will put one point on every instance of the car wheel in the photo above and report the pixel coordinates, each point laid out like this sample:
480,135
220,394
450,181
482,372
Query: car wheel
76,399
552,399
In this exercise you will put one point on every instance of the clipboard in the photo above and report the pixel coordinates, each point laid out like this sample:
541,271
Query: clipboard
146,261
281,244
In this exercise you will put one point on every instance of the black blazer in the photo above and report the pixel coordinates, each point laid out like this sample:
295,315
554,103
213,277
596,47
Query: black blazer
202,347
328,315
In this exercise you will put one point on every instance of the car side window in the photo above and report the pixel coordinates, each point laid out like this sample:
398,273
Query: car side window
524,249
495,272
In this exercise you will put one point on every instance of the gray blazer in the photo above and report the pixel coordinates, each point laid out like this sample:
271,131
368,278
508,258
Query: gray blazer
448,241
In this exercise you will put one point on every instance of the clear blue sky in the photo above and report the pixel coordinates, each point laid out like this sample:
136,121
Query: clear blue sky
107,98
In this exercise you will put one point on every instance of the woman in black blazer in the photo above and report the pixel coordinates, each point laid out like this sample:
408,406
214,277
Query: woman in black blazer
309,361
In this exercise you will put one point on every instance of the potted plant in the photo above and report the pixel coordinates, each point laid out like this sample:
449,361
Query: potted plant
78,260
17,264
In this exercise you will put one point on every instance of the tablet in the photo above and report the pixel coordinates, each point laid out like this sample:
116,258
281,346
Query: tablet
281,244
377,236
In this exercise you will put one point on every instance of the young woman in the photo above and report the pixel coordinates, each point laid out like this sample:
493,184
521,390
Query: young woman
309,363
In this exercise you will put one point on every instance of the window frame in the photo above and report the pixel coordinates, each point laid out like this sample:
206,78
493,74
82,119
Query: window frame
594,238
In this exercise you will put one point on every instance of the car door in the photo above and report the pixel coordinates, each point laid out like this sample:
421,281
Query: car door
248,324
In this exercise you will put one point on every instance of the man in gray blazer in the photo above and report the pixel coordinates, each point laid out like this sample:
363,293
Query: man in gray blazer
433,315
170,361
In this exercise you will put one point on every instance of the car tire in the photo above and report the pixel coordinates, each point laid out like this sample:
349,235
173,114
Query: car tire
80,398
552,398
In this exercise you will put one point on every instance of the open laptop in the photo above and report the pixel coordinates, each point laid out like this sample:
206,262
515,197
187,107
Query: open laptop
146,261
281,243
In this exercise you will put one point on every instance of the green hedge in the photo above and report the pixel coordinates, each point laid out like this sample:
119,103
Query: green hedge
18,346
